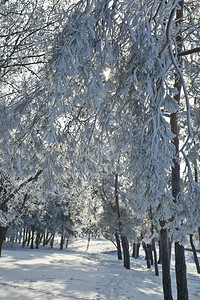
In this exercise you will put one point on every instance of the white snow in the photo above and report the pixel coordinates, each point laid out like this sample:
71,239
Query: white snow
76,274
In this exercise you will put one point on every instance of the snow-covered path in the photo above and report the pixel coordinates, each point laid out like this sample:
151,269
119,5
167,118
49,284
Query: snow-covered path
74,274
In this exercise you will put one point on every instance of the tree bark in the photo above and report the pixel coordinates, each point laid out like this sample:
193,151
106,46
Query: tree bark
180,266
125,246
149,248
52,240
37,241
136,248
159,259
62,239
119,250
194,254
2,236
199,233
32,237
181,279
124,240
155,257
147,255
166,278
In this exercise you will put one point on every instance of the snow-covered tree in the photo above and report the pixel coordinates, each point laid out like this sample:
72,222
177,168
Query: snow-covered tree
110,79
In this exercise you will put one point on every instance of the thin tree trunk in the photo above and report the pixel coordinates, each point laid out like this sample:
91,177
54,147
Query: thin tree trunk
181,279
136,248
166,278
119,250
180,266
29,237
44,238
159,259
125,246
37,241
24,237
32,237
149,248
2,236
155,257
194,254
52,240
147,255
62,238
133,253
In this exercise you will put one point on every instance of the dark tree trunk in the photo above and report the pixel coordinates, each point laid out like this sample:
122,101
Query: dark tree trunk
29,237
155,258
32,236
67,242
44,238
149,248
170,250
24,237
194,254
136,248
37,241
133,253
62,239
181,279
48,238
2,236
147,255
199,233
52,240
119,250
159,259
166,278
125,246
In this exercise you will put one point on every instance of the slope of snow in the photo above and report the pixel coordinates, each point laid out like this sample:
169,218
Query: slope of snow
76,274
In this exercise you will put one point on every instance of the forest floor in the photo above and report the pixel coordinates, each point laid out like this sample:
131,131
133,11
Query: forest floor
74,273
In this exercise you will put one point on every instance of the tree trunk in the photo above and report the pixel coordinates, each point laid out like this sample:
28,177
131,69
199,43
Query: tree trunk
52,241
149,248
125,246
37,241
32,237
119,250
159,259
155,257
29,237
181,279
133,253
62,239
166,278
44,237
24,237
2,236
136,248
194,254
147,255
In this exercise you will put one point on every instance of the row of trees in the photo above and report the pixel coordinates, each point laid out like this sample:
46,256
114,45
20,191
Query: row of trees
99,109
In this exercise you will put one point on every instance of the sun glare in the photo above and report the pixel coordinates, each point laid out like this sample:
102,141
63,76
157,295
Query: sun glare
106,73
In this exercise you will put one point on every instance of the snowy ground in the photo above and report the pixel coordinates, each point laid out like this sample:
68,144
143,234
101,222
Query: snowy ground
76,274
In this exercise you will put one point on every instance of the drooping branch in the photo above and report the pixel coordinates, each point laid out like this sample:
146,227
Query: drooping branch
187,52
32,178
